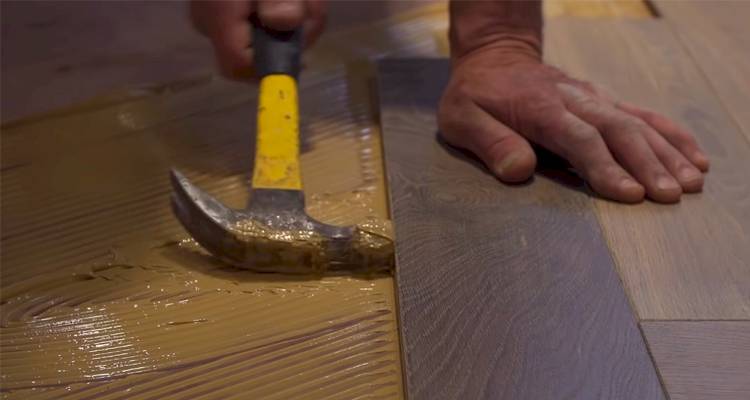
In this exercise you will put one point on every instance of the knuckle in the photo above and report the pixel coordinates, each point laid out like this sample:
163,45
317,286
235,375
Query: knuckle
581,134
538,102
449,103
637,124
684,137
577,93
570,138
461,88
604,173
631,128
655,118
664,123
626,139
626,130
449,119
585,137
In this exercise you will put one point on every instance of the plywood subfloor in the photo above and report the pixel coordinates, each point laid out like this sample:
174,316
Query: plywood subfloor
504,292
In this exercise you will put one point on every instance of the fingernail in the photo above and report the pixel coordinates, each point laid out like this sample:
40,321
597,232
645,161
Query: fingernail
689,174
627,183
503,165
700,157
287,7
666,183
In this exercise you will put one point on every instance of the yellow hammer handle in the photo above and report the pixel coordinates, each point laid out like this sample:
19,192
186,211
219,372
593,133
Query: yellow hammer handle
277,146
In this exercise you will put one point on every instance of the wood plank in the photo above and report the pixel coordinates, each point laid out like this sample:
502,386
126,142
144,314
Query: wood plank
685,261
504,292
597,8
57,53
717,36
702,359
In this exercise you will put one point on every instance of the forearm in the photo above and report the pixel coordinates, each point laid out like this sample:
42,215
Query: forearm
511,29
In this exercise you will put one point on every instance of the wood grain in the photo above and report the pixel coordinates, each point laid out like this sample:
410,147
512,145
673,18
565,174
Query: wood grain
684,261
505,292
717,36
597,8
56,53
702,359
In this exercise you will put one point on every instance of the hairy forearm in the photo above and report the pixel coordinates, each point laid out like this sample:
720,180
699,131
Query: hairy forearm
511,29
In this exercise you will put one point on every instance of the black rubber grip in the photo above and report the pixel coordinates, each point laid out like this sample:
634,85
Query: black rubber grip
276,52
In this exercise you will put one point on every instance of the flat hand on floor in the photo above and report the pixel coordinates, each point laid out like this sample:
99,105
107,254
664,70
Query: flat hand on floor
501,98
494,107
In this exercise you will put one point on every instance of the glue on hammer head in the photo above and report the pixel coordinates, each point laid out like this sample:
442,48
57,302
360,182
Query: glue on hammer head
274,234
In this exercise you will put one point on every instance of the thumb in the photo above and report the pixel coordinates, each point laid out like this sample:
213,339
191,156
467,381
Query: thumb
506,153
281,15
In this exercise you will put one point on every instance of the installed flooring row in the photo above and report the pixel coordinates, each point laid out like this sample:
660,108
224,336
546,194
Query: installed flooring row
544,291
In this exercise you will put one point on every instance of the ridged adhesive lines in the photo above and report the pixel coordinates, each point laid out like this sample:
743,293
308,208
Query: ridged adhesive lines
101,299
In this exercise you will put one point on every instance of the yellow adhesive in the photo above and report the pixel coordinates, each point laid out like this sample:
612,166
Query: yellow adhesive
277,150
104,297
183,324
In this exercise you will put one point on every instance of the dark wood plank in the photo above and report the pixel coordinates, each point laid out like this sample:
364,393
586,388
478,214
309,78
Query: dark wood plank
505,292
702,359
717,36
684,261
57,53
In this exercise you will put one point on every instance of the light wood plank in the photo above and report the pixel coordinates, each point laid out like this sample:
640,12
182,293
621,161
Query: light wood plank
504,292
685,261
717,36
597,8
702,359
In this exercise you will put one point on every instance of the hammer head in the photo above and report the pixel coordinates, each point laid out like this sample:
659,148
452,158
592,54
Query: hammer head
274,234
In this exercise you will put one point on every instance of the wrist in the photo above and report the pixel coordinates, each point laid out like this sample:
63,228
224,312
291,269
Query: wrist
505,31
500,51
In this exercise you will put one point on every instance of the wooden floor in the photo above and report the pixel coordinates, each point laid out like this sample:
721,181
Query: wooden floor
701,359
717,38
689,261
530,292
505,290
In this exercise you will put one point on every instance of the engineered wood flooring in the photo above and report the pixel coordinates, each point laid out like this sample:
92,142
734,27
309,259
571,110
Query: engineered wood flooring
597,8
57,53
685,261
504,292
702,359
716,34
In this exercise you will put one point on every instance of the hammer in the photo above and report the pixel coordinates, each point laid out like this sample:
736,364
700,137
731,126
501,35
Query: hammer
274,233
